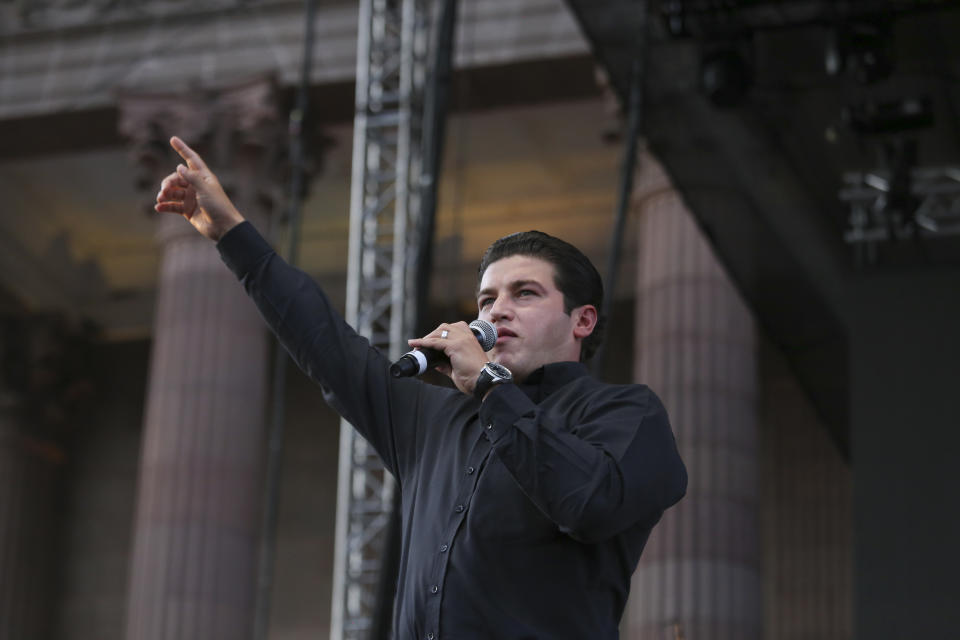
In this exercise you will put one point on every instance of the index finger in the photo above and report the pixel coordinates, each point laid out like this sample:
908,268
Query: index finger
194,161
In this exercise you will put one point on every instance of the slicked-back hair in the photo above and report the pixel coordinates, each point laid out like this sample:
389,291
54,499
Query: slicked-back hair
574,275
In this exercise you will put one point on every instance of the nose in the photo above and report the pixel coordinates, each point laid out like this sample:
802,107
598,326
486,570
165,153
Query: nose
500,309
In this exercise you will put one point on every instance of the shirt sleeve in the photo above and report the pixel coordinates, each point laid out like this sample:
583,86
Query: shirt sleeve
354,376
603,468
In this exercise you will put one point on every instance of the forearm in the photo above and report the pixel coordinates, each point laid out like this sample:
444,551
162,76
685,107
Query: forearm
353,375
293,306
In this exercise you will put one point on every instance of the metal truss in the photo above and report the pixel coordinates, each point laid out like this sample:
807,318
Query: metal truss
929,208
392,43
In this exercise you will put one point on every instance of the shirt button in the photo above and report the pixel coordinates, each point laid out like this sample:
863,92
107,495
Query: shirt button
443,548
430,636
470,470
489,426
434,589
458,508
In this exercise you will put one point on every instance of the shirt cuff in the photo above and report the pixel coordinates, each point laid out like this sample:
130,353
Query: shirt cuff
502,409
242,247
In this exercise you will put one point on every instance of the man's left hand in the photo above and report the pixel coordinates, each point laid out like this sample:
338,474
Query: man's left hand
460,344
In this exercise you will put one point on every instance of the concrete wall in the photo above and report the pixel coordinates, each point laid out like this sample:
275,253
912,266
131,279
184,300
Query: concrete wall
905,402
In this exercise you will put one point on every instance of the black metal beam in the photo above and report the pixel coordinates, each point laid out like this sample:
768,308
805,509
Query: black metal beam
751,205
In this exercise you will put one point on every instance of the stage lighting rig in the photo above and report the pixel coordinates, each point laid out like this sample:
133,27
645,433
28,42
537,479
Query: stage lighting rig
889,117
900,203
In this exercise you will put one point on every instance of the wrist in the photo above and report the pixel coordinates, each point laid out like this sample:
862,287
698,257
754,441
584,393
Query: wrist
491,376
229,225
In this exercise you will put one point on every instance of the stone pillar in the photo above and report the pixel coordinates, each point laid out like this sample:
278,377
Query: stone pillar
699,577
806,499
43,387
193,571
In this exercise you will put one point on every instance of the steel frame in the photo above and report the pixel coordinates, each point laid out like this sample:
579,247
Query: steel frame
936,192
392,43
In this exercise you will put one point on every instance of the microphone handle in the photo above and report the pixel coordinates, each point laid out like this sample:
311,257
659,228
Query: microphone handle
415,362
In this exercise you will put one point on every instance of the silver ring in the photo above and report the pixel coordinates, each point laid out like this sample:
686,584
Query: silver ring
444,333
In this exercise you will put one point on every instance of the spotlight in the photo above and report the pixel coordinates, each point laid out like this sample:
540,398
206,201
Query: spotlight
725,76
863,49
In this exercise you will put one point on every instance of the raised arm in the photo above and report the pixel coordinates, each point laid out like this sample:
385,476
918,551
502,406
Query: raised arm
354,376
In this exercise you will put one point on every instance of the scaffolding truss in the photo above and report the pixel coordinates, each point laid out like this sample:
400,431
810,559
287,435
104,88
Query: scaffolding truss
392,47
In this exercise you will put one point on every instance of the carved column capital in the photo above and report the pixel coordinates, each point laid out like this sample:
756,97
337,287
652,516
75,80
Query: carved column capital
238,130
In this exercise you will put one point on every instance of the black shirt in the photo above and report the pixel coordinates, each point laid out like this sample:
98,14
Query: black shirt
523,517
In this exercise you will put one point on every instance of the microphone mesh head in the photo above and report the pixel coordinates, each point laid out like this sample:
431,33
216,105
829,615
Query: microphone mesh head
486,333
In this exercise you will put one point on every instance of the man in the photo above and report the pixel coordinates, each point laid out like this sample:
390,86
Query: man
530,489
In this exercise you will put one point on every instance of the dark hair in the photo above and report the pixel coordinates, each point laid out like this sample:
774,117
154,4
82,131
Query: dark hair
574,274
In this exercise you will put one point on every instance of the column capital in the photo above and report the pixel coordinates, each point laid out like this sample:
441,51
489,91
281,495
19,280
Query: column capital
239,130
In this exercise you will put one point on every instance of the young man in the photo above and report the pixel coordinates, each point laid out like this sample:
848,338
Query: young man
528,491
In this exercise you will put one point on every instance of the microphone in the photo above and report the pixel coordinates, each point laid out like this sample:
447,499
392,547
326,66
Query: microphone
415,362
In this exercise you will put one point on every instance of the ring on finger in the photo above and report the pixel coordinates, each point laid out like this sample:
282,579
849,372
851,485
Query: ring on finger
444,334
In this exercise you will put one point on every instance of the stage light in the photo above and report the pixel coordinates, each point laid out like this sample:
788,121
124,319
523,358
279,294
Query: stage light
862,49
725,76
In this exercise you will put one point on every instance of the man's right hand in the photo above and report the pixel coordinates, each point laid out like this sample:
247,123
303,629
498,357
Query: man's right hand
194,192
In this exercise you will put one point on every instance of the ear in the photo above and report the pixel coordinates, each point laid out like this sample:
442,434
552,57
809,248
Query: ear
585,320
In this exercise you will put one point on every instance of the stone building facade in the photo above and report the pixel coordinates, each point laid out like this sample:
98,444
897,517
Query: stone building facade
134,513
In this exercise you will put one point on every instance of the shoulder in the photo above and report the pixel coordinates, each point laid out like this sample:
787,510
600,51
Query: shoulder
598,397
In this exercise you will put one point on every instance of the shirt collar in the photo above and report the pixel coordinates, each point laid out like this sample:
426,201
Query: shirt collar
550,377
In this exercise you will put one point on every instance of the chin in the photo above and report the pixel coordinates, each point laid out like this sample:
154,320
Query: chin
505,361
518,365
518,368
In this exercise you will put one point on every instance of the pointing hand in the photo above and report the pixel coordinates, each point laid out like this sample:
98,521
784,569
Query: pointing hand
194,192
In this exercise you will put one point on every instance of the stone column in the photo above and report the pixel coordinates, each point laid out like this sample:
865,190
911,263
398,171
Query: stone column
806,499
699,577
197,521
43,388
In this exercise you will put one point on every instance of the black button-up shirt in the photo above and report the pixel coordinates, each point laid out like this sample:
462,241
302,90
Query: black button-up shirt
523,517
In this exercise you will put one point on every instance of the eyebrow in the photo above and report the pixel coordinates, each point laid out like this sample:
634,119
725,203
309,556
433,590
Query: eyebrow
516,284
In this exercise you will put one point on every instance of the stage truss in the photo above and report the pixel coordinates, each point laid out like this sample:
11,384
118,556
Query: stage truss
392,46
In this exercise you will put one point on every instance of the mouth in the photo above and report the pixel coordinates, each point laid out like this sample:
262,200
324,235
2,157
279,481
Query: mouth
504,334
